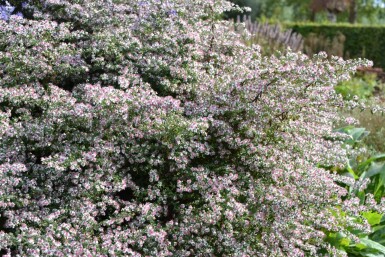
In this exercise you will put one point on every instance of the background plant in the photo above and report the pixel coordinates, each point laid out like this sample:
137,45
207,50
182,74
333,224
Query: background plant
357,11
365,180
367,89
363,85
353,40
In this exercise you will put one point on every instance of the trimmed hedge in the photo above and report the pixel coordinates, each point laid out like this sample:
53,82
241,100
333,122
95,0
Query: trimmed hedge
361,41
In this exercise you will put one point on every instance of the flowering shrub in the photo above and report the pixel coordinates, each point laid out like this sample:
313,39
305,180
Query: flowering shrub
145,128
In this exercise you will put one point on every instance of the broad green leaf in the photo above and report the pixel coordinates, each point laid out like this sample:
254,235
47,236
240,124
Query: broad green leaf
344,242
360,246
373,254
374,245
373,218
378,157
378,234
375,168
358,133
344,129
379,227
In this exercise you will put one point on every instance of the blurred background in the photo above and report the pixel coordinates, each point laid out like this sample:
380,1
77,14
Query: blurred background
353,11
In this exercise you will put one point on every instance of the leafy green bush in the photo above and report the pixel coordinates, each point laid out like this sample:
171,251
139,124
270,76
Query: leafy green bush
362,86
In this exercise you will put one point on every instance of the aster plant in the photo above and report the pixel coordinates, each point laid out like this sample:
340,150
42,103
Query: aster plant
146,128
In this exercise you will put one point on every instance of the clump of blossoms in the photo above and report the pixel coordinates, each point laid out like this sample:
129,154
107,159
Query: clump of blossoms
146,128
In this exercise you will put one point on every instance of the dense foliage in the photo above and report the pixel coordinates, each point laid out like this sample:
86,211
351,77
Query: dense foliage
146,128
362,86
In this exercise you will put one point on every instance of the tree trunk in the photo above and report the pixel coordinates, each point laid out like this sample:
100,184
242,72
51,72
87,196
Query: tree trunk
312,16
353,11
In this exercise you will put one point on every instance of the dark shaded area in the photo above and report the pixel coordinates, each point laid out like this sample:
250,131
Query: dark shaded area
3,252
141,178
126,194
36,155
13,251
69,84
170,215
107,214
36,111
3,222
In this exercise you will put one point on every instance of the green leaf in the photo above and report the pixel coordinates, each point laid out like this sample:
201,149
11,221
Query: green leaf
373,218
345,242
378,157
373,254
344,129
360,246
358,133
376,228
375,168
374,245
378,234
